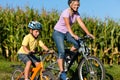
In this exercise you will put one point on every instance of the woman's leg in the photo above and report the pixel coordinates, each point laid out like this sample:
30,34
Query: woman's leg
59,41
73,49
73,41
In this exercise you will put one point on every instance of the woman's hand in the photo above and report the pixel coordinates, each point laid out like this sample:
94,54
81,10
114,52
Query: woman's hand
92,36
75,37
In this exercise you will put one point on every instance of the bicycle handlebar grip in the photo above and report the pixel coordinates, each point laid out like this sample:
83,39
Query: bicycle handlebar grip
32,52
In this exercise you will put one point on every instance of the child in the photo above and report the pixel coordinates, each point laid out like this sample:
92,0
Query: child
29,43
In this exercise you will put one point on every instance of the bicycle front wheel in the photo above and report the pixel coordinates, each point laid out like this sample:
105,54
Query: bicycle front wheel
91,69
17,74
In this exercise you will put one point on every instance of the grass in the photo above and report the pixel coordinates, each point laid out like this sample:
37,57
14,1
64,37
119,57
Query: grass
6,69
112,72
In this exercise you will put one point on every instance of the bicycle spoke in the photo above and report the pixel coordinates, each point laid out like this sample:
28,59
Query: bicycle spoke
91,69
17,75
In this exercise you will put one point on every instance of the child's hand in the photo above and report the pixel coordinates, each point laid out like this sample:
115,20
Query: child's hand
32,52
51,51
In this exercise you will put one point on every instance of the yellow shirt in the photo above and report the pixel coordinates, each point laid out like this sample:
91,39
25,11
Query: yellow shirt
31,43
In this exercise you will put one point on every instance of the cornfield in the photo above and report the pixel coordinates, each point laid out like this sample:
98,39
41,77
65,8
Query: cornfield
13,27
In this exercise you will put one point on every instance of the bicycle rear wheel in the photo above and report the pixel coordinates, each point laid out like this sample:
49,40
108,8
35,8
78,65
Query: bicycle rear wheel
91,69
17,74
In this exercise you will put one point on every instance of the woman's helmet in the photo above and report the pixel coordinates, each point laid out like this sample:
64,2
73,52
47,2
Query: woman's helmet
35,25
69,1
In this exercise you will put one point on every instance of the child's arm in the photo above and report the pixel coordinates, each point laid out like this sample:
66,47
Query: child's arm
45,47
27,50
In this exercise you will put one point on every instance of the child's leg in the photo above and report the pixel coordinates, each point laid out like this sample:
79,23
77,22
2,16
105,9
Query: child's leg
27,61
36,63
34,60
27,69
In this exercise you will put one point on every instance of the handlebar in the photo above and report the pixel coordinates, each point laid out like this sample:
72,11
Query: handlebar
85,37
41,52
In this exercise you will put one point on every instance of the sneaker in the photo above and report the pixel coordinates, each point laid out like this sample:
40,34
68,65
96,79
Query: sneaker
63,76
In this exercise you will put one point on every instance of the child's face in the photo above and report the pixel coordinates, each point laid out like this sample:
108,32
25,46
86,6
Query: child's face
35,33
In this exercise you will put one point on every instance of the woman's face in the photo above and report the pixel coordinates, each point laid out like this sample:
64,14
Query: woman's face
75,5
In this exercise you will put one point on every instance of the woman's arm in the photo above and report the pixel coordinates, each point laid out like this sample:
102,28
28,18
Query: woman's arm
84,27
69,28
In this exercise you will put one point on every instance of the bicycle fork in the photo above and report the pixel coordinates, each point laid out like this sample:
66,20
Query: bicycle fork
90,69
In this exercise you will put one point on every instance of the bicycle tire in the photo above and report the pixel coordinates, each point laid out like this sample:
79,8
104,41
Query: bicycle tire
47,75
17,74
50,63
93,71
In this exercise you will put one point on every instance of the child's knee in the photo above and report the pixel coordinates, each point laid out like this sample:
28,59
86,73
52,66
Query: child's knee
28,63
37,63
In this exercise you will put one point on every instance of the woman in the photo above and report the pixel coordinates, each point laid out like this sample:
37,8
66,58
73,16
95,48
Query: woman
63,31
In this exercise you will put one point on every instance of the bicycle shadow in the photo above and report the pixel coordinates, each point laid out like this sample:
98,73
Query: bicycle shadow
108,76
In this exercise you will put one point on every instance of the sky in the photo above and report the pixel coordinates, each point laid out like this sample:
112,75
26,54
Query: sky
100,9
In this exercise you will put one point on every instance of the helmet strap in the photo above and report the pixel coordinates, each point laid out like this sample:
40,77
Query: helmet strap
33,35
73,11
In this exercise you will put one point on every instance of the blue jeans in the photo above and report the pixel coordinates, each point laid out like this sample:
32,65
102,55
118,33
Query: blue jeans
59,41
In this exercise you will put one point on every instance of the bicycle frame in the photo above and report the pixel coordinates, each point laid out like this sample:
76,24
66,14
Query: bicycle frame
36,69
82,49
20,76
71,57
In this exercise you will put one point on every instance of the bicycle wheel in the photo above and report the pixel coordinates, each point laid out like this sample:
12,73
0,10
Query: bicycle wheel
50,63
47,75
17,74
91,69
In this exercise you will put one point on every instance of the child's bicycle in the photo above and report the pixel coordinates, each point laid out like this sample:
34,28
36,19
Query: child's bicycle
80,65
36,73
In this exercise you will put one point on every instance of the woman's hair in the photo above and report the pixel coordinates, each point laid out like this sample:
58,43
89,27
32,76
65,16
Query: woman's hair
70,1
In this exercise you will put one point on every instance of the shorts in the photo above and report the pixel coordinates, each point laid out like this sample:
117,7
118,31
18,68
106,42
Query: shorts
25,58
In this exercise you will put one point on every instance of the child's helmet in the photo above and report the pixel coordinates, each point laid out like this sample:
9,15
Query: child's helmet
35,25
69,1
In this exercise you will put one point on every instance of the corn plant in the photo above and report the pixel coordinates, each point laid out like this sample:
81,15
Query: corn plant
13,27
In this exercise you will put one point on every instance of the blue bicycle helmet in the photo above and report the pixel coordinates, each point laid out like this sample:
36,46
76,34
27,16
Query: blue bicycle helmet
35,25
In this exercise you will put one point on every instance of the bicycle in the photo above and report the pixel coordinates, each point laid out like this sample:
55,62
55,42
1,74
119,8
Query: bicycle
83,64
36,73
